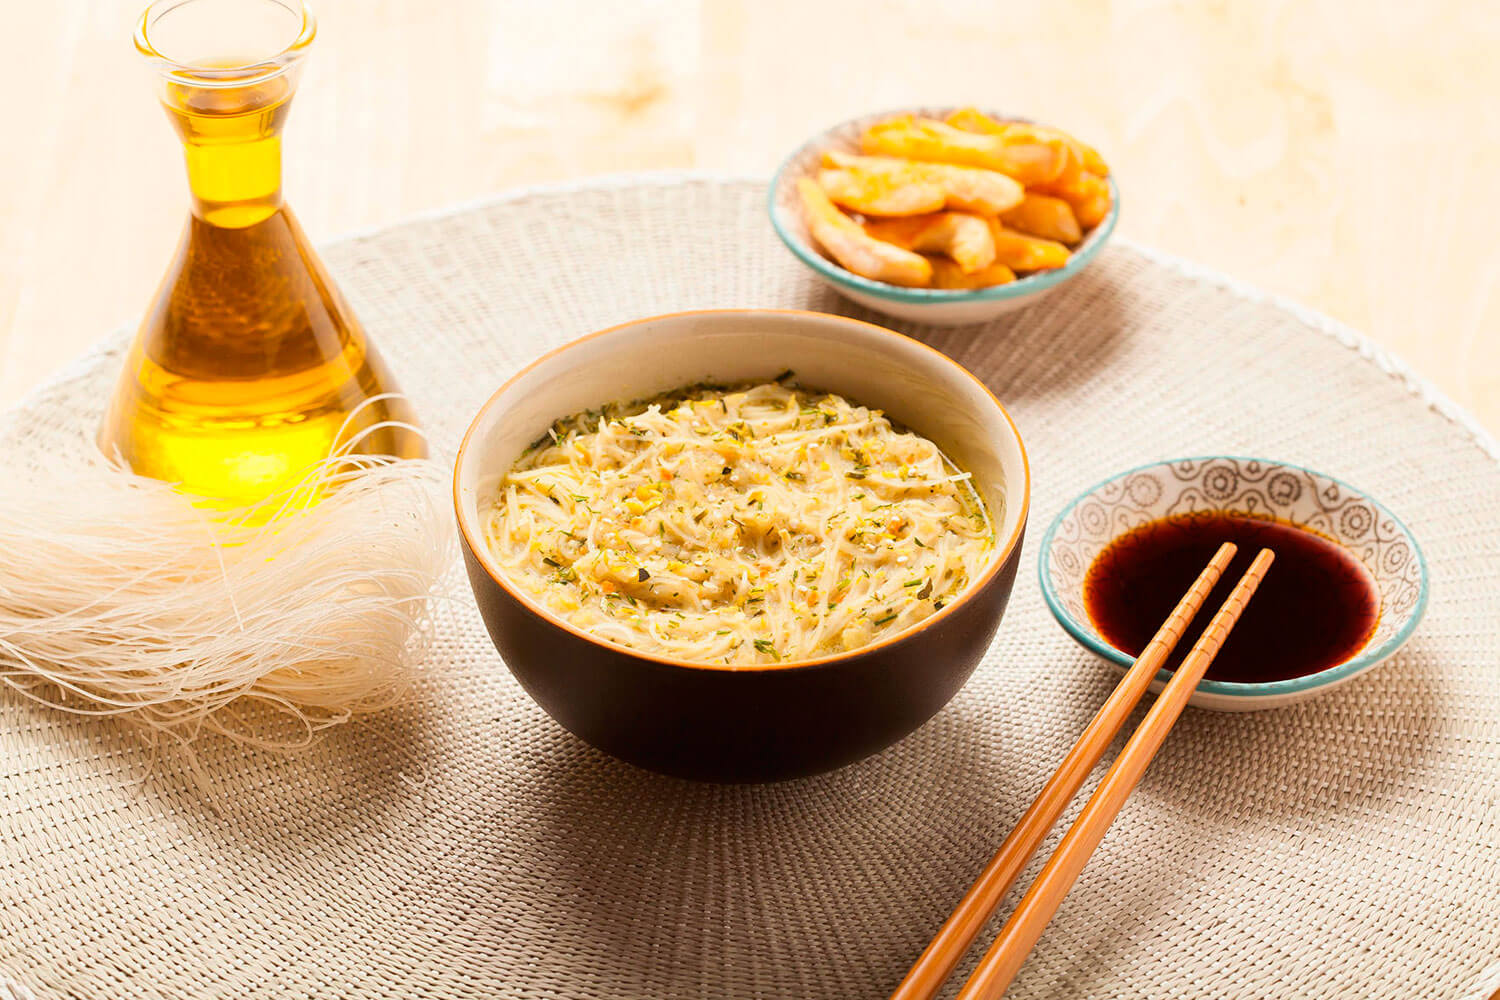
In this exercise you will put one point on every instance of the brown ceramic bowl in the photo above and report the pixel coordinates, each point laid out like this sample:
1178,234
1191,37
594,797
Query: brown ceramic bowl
765,722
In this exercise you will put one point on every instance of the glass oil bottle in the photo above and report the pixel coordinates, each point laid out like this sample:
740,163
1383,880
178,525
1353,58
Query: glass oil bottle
249,366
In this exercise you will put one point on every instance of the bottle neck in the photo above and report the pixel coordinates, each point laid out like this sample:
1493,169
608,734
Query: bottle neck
231,139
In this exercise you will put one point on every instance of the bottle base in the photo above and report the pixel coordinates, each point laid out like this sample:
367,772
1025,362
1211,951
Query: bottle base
227,452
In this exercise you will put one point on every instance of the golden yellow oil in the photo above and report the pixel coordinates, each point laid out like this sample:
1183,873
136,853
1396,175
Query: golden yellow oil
249,366
231,139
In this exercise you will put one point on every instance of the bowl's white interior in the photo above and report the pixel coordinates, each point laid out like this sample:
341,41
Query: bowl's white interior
911,382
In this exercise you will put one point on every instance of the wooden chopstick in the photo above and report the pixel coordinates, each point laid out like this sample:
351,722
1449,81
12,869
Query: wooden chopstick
953,939
999,965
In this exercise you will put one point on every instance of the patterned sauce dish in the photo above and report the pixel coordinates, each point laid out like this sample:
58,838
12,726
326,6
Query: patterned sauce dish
1247,487
759,722
932,306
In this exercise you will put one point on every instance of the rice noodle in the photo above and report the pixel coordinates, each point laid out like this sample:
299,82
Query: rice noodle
119,597
749,525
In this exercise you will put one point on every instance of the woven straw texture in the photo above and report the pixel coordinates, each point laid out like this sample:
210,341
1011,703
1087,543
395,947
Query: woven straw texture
466,846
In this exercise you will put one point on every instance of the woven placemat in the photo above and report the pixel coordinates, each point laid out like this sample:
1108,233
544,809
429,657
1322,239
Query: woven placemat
466,846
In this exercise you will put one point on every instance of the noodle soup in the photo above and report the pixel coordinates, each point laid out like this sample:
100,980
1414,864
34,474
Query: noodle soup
738,525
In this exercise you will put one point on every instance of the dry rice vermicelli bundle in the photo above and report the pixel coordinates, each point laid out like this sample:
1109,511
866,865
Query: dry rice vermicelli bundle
119,597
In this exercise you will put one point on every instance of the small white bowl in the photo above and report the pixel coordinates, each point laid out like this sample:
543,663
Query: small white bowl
1257,487
934,306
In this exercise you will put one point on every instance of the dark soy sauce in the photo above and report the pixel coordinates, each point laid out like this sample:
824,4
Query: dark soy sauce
1315,608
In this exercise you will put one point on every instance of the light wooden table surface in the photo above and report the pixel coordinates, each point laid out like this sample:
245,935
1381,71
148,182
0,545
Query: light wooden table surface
1343,153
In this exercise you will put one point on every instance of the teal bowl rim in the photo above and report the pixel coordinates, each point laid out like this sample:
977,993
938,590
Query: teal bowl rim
1366,658
1040,281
